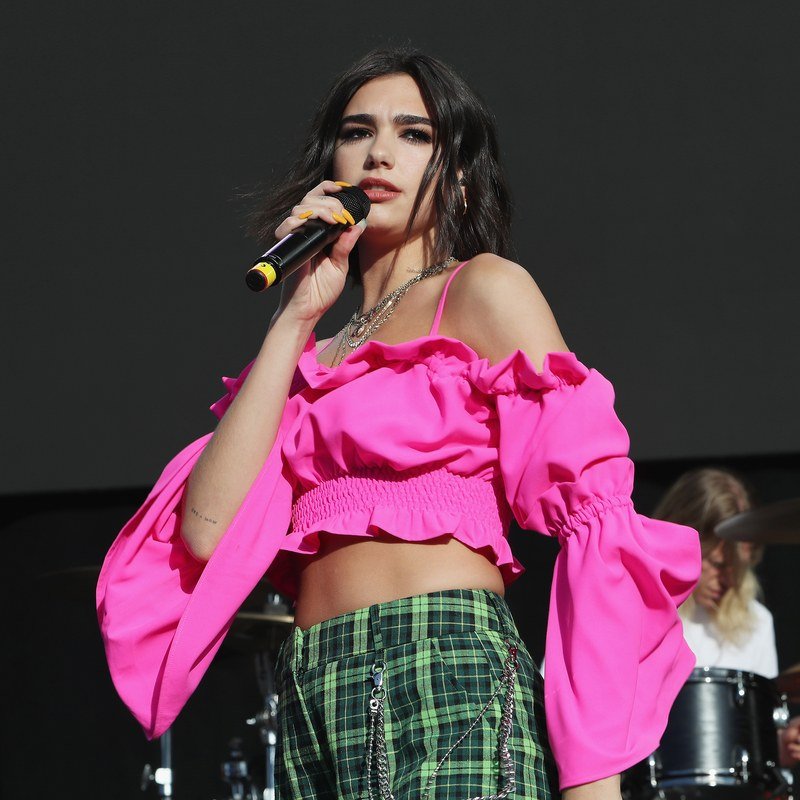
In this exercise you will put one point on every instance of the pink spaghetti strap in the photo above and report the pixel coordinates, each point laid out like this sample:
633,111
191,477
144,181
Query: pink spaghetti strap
435,327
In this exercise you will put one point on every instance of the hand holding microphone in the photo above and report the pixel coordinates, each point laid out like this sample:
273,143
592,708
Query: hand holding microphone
332,213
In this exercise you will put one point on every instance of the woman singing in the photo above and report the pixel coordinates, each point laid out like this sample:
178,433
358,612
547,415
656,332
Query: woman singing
373,477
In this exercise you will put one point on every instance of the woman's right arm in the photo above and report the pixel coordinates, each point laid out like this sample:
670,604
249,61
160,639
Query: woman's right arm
242,439
246,433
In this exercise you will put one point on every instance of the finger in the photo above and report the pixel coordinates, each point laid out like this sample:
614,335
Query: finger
346,242
291,224
301,209
329,214
332,186
324,207
328,208
325,189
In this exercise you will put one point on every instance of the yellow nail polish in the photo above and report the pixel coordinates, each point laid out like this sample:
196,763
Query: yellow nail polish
342,183
348,216
305,214
340,219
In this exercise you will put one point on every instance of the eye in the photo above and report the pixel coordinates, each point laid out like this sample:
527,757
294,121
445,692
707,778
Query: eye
353,133
418,135
412,134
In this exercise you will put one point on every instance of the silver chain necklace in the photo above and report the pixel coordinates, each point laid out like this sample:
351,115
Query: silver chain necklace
361,326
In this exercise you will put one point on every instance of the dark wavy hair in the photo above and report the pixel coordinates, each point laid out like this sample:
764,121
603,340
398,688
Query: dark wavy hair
465,137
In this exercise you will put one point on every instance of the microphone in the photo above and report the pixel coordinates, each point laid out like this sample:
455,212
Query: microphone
300,245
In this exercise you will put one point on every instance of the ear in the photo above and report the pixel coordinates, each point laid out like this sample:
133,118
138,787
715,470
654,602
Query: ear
462,182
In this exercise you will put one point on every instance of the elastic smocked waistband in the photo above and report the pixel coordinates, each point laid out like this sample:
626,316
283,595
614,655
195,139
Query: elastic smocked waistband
396,622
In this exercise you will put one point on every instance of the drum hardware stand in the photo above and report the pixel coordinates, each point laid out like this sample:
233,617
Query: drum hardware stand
781,714
654,767
783,782
743,764
270,628
784,779
237,775
161,776
266,629
267,720
741,692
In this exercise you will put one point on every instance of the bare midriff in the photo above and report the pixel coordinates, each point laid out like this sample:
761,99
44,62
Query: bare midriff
350,573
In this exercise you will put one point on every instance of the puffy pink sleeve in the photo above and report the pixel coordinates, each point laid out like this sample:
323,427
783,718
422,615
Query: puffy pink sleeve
615,653
163,614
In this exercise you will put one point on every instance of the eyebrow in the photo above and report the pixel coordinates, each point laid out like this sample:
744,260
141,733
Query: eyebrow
399,119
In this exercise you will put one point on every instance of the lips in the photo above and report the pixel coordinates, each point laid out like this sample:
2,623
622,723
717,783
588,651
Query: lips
379,190
378,184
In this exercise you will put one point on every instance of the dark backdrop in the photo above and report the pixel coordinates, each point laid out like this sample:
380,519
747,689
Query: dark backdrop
651,149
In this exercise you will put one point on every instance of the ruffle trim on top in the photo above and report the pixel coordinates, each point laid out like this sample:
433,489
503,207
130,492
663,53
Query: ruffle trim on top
516,373
415,505
445,355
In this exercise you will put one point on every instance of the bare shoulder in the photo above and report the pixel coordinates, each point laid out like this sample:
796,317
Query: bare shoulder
496,307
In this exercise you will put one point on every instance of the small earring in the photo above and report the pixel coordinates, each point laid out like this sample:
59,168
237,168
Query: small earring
465,204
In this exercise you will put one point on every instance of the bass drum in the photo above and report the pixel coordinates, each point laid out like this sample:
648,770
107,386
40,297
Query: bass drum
721,742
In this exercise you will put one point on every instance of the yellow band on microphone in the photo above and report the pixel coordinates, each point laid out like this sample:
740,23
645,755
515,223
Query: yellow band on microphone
268,271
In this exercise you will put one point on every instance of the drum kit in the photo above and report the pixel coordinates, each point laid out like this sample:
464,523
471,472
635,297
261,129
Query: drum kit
257,631
721,740
258,634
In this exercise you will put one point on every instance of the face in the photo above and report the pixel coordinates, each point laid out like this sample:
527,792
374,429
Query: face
715,579
385,133
748,552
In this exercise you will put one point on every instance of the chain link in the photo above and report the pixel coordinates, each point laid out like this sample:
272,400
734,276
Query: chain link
361,326
376,744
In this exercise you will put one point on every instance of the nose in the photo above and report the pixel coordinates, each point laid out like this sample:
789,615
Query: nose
380,153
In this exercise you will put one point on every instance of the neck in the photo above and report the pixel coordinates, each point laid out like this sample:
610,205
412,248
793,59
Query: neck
384,268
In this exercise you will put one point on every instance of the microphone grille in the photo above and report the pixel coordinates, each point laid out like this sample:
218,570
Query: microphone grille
355,200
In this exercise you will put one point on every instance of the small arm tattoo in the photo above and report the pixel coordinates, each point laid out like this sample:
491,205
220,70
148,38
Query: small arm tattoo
203,516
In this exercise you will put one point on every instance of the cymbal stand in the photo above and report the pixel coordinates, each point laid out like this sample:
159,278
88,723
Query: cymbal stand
236,774
267,720
161,776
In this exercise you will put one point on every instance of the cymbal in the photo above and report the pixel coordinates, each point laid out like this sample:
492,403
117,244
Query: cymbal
257,632
265,618
788,682
777,523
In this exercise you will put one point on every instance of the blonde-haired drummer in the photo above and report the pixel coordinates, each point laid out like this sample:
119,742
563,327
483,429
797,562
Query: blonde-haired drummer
724,623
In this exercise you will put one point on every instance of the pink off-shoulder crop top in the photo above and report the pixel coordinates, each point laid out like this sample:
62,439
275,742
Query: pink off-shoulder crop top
421,439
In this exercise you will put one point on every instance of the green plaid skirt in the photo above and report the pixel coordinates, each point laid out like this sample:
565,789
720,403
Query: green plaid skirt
443,658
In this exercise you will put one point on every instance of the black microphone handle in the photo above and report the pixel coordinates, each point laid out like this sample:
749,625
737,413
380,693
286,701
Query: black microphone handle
291,252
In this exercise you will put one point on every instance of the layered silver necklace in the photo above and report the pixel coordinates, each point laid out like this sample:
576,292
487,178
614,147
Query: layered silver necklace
361,326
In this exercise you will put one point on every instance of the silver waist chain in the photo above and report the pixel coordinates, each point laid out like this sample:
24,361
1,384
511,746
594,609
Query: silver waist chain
376,745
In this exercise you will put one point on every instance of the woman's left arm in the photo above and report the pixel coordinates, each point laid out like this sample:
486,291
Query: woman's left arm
604,789
615,652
